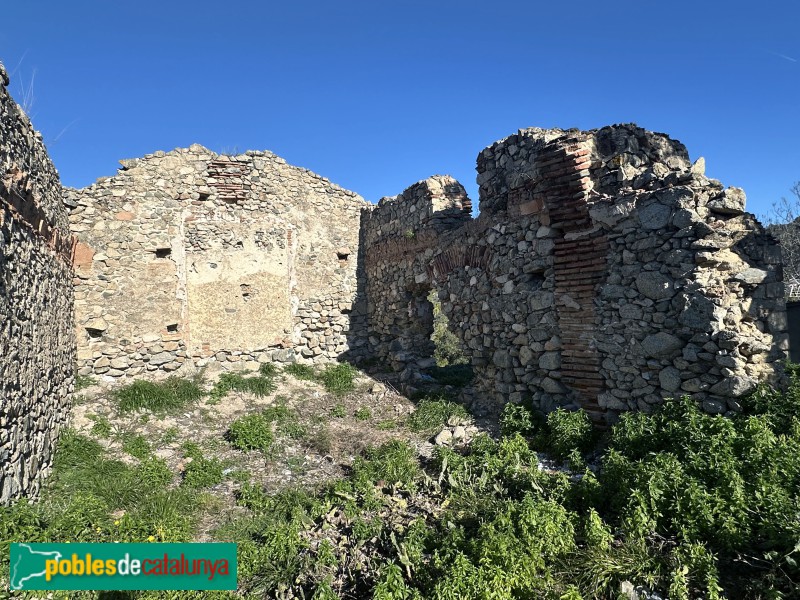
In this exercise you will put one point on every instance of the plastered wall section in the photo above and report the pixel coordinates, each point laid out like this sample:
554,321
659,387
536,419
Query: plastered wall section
37,342
605,271
191,256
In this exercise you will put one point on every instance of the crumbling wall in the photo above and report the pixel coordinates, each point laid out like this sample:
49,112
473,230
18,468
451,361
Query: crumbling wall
193,256
37,343
604,271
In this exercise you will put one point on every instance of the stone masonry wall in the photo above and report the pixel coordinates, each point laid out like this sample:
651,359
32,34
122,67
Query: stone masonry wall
37,342
193,256
605,271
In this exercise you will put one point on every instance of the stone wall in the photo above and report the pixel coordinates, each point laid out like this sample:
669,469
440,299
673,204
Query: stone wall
37,342
605,271
193,256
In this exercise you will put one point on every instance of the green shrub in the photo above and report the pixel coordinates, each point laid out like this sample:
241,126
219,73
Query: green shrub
339,378
339,411
168,396
433,412
518,418
569,431
395,463
448,351
251,432
202,472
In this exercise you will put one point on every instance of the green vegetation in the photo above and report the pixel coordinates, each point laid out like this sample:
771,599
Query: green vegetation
251,432
687,504
200,472
337,378
168,396
101,427
83,381
259,385
256,431
84,492
363,414
339,411
448,351
302,372
433,412
136,445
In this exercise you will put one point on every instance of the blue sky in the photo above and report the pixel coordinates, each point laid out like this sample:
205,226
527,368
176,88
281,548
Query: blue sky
377,95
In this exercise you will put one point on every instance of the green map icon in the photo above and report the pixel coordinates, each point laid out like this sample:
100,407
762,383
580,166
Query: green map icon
28,564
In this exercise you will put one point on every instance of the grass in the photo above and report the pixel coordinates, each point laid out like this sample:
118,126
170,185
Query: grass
169,396
259,385
363,414
301,372
433,412
101,426
257,431
338,378
136,445
83,381
91,497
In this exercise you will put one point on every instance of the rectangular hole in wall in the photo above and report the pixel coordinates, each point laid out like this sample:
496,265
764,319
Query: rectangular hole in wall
172,328
94,334
163,252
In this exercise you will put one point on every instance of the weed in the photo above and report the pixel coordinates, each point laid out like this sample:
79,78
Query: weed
393,463
239,476
433,412
338,411
170,435
268,370
258,385
101,426
363,414
299,371
83,381
322,441
339,378
569,431
519,418
388,425
251,432
448,351
169,396
136,445
201,472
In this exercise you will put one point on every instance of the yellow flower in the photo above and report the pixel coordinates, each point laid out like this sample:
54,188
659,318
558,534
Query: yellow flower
151,539
116,522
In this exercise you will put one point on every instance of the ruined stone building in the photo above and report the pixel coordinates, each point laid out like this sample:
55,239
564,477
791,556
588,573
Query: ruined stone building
37,340
604,271
193,256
